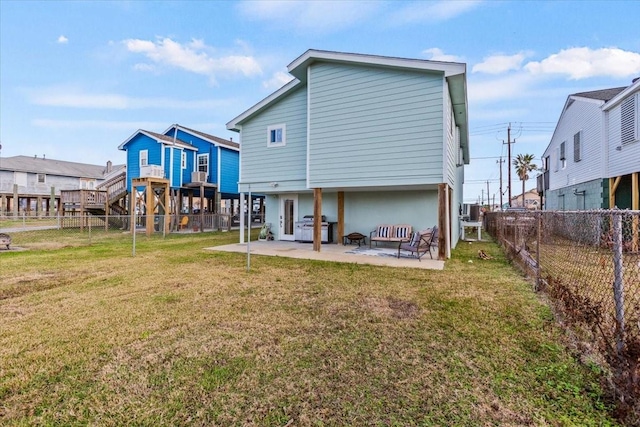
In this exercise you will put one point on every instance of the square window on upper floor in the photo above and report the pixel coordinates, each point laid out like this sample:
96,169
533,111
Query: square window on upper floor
277,135
144,157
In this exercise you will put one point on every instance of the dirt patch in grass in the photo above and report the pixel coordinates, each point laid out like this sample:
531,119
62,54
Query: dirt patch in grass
392,307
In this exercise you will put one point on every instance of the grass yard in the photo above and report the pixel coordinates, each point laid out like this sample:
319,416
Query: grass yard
182,336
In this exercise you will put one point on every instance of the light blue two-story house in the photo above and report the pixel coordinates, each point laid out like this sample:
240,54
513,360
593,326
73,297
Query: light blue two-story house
195,164
368,139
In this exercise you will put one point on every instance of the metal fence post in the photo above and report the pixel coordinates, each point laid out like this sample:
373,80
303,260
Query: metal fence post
538,237
618,283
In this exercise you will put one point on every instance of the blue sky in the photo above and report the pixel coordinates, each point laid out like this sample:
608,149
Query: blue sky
78,78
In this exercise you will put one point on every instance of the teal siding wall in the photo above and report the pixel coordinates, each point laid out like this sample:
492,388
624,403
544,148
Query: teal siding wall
451,142
285,165
363,211
374,126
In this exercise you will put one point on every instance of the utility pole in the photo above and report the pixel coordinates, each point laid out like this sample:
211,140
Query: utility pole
488,197
501,161
482,197
509,160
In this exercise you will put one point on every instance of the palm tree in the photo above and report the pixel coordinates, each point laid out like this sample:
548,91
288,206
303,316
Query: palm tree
523,165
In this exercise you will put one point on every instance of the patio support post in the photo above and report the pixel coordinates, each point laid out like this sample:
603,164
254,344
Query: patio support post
52,202
241,216
340,217
613,186
16,200
317,219
442,220
202,207
150,208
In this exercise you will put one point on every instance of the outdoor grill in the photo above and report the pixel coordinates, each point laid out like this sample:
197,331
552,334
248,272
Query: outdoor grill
304,230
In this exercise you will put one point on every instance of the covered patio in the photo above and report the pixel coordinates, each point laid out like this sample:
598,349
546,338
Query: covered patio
383,256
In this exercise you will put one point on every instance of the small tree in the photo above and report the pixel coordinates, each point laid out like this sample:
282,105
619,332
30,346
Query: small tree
524,165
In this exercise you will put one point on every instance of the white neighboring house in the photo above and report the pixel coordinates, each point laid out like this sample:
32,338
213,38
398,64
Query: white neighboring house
33,185
593,159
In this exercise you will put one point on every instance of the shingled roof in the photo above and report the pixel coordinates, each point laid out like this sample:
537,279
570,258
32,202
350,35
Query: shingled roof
602,94
210,138
53,167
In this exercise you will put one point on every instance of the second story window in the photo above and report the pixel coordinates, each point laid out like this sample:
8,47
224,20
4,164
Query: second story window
42,178
144,157
183,160
276,136
577,153
203,163
563,156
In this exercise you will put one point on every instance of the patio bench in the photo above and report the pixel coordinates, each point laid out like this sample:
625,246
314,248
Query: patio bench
390,233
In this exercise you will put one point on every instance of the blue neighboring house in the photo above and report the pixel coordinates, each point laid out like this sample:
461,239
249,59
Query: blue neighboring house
370,139
195,163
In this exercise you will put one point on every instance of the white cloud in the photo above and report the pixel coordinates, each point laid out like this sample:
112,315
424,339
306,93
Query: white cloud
568,64
512,86
582,62
314,16
436,54
63,40
279,79
432,11
76,98
144,67
498,64
96,124
195,57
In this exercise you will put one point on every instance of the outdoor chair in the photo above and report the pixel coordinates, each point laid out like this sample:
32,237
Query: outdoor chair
420,243
183,222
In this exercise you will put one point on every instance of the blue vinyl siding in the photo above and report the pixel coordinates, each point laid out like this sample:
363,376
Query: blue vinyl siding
213,165
186,173
176,168
373,126
285,165
203,147
139,143
229,171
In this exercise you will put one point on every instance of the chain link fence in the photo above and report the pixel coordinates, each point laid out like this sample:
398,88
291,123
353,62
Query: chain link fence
51,231
588,263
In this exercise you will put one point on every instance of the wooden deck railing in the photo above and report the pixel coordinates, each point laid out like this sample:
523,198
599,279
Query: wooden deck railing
83,197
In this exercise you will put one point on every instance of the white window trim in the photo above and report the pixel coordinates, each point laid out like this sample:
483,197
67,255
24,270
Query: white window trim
198,157
183,160
144,155
44,178
284,135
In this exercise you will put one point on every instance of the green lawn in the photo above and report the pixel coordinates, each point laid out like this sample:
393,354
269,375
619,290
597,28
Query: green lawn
178,335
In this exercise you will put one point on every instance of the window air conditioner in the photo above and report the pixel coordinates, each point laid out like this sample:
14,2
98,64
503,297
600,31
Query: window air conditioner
198,177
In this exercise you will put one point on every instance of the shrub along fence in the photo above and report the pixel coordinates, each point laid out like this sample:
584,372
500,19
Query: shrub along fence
588,263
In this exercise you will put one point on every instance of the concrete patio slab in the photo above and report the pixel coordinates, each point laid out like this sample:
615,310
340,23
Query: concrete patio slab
331,252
